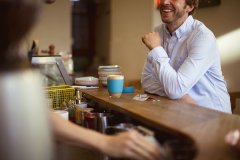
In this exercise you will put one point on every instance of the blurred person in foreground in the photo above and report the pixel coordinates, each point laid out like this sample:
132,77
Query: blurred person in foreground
27,126
184,59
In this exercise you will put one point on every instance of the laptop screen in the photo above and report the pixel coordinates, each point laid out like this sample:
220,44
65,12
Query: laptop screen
53,70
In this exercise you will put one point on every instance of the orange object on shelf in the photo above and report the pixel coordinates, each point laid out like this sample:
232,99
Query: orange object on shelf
157,3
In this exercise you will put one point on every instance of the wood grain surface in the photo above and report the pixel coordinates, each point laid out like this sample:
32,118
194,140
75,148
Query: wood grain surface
206,127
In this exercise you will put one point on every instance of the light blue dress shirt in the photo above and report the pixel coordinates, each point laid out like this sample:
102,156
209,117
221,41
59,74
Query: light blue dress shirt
187,62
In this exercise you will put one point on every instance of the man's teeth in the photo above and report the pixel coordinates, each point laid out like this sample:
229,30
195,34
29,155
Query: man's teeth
167,10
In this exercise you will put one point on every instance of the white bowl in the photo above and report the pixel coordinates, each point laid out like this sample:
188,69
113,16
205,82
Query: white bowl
86,81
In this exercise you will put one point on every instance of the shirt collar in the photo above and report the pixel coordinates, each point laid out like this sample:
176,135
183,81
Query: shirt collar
182,29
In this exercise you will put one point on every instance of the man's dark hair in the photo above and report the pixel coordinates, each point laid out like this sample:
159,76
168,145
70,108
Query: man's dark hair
193,3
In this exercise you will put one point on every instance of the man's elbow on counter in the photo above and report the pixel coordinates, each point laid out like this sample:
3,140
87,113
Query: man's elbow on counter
147,89
174,95
144,85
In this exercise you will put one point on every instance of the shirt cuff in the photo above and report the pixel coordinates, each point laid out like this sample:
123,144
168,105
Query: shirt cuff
157,54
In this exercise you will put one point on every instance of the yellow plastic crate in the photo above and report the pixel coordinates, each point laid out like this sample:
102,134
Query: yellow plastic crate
58,94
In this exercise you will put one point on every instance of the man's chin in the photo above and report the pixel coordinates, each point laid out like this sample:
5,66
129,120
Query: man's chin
167,21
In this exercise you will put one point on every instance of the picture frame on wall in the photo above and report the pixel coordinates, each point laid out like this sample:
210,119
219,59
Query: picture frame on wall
202,3
208,3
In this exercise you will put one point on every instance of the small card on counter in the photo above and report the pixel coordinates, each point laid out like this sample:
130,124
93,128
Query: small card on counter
141,97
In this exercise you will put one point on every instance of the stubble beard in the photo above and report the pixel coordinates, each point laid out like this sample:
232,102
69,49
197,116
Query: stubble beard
176,16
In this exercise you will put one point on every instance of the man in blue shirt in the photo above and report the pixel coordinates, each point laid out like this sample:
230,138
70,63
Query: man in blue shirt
184,60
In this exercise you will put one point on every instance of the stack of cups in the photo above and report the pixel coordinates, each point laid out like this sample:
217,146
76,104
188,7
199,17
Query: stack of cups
105,71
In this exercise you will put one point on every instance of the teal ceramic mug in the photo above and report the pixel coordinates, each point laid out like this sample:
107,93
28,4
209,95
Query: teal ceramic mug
115,85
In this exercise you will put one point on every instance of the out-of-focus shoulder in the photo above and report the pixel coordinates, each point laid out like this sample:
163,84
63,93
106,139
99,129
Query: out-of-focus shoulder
158,28
200,27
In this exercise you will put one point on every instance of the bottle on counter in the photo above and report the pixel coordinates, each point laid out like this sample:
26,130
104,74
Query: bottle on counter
80,107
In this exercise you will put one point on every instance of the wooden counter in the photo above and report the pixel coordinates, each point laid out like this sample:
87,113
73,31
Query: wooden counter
206,127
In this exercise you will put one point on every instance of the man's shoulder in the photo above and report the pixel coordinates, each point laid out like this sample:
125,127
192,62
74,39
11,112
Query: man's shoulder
200,27
158,28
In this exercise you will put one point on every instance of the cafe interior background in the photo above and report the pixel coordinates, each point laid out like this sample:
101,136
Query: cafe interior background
102,32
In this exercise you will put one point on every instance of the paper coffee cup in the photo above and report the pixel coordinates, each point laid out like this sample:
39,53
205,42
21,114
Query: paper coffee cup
115,85
62,113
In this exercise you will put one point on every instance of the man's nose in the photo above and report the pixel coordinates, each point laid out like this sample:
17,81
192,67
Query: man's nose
165,1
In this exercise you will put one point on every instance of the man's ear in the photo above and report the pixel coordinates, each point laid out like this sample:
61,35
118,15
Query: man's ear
189,8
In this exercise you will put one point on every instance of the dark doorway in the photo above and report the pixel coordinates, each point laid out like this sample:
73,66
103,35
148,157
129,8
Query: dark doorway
90,21
83,33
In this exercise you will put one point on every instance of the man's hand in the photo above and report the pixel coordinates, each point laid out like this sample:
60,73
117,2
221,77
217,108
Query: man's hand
151,40
187,99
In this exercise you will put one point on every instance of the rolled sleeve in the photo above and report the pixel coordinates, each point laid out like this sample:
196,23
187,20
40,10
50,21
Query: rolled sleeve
157,54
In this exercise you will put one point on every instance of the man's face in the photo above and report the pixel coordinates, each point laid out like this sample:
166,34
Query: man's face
173,11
